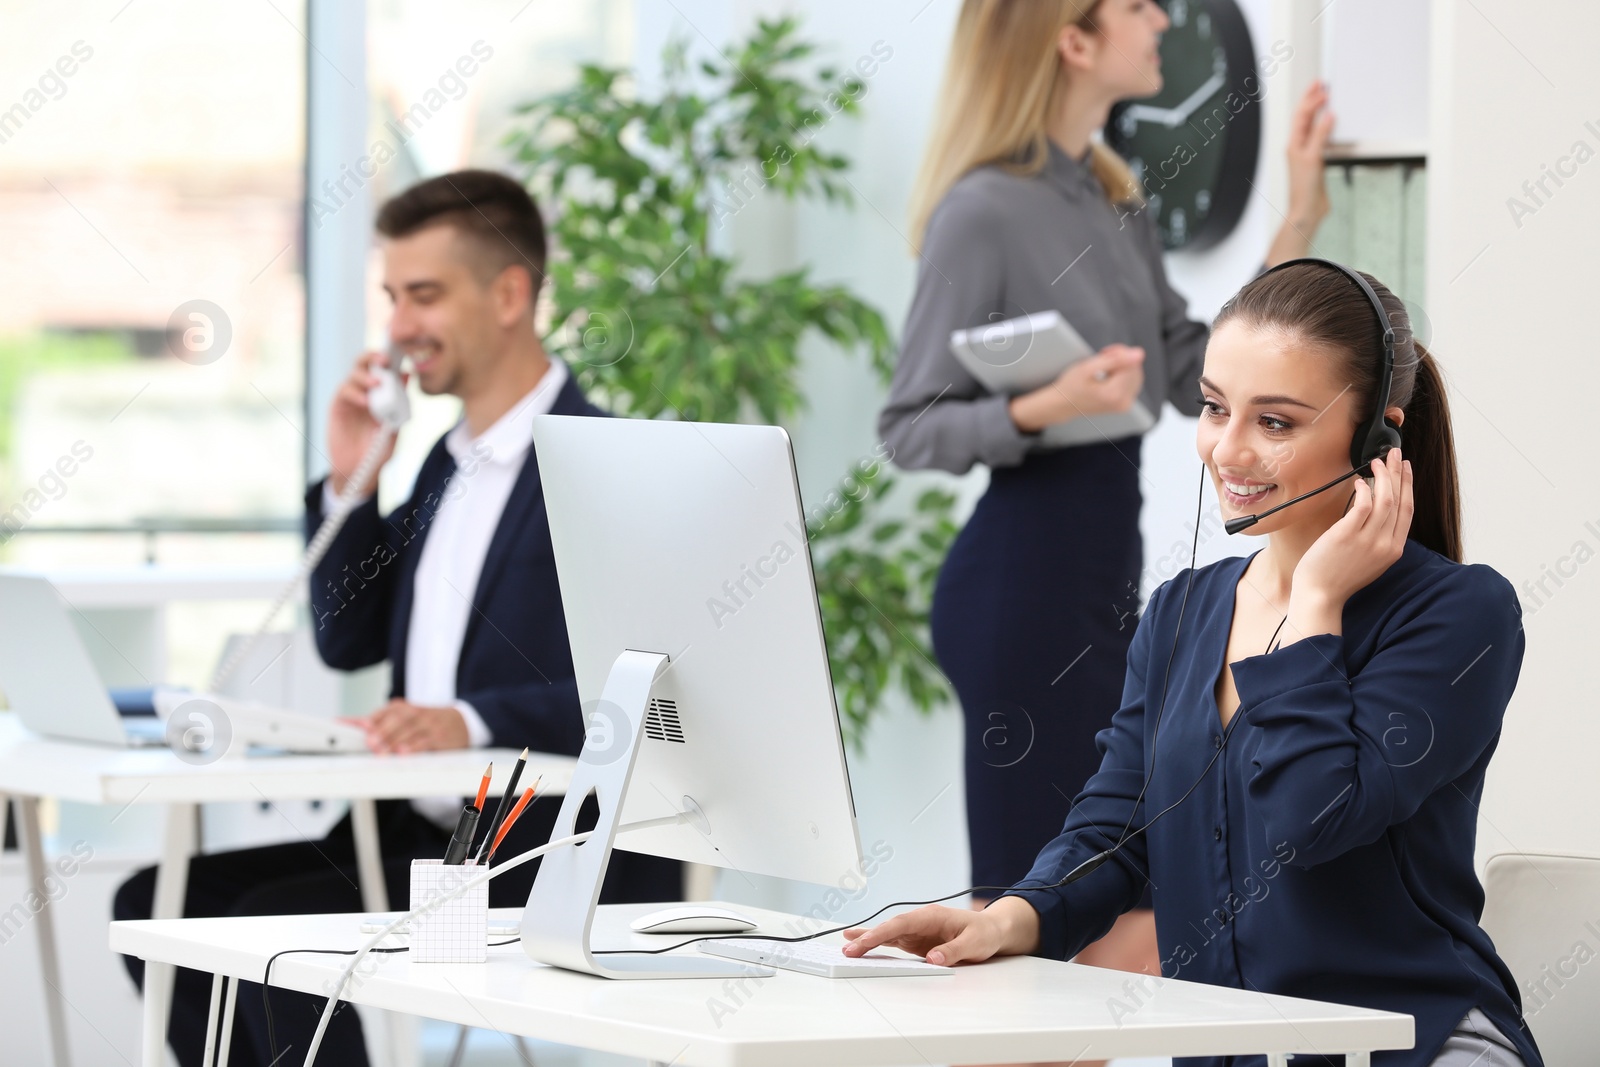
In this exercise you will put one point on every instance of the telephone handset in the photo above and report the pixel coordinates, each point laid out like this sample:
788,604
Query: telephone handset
389,404
387,400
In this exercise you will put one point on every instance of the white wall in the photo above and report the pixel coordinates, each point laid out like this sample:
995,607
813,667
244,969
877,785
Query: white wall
1512,302
1375,59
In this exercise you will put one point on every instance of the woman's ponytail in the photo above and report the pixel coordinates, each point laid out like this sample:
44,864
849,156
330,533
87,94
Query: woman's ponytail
1430,445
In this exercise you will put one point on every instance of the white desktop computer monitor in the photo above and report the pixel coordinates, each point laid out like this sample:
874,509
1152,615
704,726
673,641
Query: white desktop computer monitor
698,648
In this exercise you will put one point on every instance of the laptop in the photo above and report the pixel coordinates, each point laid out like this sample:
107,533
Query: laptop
49,681
1019,355
46,674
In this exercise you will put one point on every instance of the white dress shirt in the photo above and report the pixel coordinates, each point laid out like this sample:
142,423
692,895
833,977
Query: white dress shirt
452,558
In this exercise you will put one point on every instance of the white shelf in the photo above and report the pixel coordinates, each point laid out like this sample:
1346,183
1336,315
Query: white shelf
1355,151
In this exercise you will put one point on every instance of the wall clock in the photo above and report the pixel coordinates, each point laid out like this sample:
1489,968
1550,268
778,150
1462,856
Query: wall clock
1194,145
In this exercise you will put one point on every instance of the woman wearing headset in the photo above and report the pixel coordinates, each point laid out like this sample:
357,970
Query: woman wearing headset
1019,210
1332,700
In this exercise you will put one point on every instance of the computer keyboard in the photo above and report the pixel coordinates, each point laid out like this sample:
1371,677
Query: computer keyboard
820,958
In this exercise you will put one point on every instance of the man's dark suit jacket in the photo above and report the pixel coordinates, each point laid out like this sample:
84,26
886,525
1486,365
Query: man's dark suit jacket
516,665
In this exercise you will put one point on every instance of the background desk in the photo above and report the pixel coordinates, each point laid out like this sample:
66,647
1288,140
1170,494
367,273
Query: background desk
33,767
1019,1009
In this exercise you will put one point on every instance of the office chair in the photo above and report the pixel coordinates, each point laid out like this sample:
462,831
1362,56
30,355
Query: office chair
1543,912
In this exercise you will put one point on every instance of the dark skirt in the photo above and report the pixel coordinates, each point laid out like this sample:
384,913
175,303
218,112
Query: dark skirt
1031,622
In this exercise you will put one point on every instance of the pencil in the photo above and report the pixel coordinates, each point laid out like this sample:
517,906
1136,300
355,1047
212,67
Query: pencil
483,787
503,807
510,821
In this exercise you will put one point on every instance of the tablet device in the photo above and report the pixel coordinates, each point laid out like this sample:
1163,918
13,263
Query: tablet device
1021,354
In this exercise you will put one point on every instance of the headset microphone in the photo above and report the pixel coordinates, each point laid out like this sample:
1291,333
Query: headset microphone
1244,522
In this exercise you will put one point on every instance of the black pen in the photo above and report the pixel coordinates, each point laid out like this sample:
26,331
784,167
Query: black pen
461,840
504,806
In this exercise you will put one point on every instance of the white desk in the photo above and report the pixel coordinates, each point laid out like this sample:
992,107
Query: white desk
1019,1009
33,767
157,585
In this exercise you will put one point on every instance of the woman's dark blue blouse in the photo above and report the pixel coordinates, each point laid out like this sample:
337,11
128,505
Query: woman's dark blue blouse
1328,852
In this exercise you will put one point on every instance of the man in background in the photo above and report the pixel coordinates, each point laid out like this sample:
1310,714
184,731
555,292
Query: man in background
456,588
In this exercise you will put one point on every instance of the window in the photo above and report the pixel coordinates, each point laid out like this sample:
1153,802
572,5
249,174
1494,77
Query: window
150,194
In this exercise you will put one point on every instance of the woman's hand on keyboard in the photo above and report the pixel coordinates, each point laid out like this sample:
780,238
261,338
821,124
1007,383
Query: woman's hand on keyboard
948,936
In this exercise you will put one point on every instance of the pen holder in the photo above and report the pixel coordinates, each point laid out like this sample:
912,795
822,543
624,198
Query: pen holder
456,931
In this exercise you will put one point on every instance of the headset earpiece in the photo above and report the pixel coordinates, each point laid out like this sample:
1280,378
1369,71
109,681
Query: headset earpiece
1377,435
1373,442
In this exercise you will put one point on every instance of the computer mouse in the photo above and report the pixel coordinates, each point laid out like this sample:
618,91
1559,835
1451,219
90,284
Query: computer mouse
692,919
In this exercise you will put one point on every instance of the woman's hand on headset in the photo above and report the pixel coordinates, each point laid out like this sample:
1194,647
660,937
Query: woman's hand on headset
1107,382
948,936
1354,551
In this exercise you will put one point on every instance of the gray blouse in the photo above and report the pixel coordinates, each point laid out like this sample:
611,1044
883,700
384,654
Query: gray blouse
999,246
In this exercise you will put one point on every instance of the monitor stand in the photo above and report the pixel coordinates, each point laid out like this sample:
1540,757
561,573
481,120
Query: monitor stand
559,916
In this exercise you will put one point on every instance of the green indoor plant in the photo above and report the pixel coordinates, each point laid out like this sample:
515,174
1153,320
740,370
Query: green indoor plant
655,318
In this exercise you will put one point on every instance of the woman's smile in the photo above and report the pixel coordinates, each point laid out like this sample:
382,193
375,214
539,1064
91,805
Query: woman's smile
1244,493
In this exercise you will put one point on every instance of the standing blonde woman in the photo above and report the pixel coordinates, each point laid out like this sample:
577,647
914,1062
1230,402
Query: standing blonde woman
1020,209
